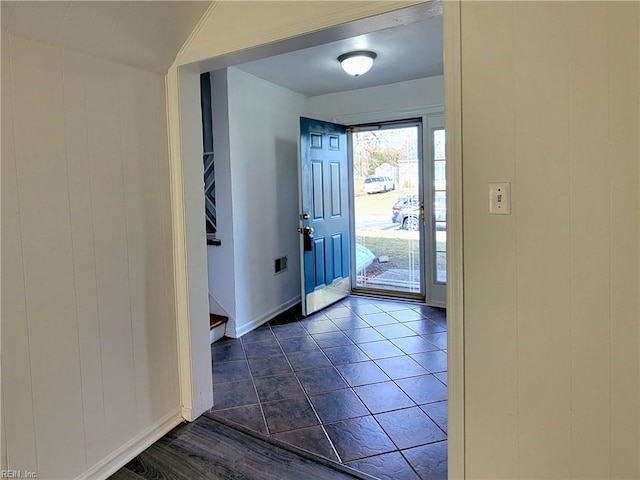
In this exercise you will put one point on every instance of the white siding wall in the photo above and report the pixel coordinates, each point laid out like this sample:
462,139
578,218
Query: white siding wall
89,340
550,103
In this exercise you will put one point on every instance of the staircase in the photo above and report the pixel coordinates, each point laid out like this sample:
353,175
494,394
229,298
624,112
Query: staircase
217,326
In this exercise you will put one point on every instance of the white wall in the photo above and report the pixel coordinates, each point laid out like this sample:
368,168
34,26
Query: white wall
402,98
89,338
550,103
193,337
263,138
221,259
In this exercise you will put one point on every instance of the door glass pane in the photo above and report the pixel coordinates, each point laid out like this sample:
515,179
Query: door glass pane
440,205
439,145
440,175
441,267
388,220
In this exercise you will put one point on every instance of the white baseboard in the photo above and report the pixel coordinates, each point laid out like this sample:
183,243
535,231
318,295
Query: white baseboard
437,304
247,327
123,455
187,414
217,333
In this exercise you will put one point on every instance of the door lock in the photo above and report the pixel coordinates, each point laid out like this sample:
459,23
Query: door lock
422,210
307,238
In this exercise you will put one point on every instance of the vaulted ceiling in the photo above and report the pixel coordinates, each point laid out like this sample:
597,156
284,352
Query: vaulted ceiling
144,34
149,34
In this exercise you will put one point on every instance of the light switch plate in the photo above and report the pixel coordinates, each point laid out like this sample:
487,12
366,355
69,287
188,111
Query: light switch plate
500,198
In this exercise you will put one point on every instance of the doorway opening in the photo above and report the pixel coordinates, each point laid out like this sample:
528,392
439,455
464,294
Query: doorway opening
336,349
385,360
342,364
373,113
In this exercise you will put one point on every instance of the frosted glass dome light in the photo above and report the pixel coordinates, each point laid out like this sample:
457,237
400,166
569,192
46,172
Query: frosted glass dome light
357,63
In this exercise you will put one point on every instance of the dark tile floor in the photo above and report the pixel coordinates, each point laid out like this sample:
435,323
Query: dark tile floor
361,383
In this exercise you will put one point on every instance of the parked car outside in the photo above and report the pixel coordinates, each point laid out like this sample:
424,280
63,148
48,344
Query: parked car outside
402,202
378,184
409,217
407,214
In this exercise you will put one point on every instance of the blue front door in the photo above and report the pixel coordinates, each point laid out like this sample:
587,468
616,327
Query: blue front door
324,216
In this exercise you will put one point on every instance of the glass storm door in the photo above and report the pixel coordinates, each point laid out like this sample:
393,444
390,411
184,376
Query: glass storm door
388,209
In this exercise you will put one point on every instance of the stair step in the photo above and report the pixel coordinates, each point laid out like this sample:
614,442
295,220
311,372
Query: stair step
217,320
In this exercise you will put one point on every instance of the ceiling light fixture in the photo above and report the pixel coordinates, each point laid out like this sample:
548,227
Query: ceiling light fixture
357,63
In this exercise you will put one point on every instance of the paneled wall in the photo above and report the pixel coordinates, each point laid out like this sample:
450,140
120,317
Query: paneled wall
89,343
550,104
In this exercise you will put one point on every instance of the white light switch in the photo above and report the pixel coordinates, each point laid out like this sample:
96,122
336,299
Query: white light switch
500,198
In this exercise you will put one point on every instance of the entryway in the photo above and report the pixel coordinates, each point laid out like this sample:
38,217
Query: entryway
362,383
194,382
372,212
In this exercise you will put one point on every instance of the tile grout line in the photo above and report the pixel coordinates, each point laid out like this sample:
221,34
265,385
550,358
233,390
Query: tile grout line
416,405
337,329
255,388
333,447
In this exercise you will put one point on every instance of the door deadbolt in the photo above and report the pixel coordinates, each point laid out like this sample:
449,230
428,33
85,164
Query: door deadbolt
307,236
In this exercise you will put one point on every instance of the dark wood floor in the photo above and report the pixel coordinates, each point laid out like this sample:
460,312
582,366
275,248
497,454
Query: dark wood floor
206,449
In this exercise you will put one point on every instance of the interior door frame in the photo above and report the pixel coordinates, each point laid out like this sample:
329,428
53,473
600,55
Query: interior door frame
187,207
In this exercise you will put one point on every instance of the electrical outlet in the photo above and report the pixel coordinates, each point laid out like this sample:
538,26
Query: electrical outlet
500,198
280,265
